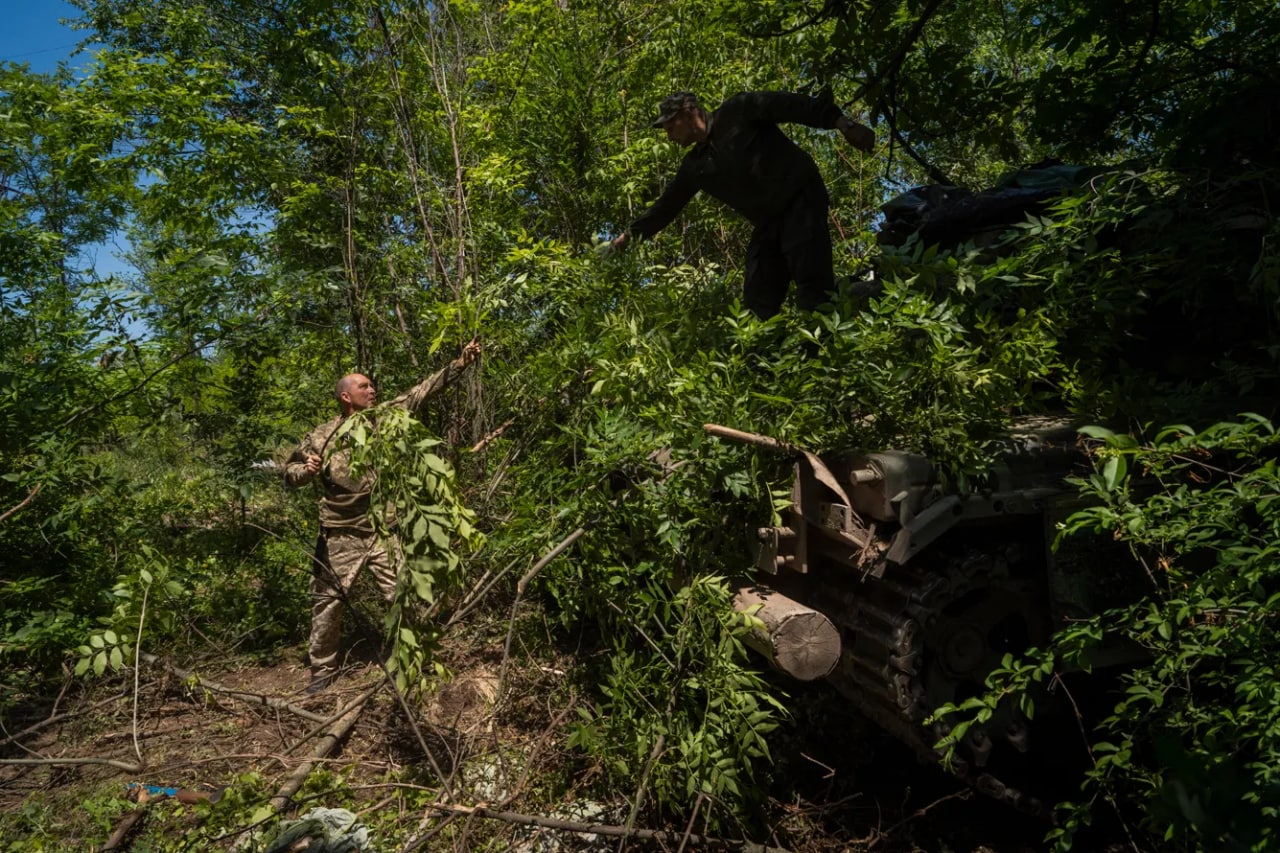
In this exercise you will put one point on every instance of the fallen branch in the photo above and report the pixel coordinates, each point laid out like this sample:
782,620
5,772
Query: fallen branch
123,830
110,762
659,835
243,696
57,718
342,712
476,595
688,832
521,586
532,753
331,739
423,836
528,577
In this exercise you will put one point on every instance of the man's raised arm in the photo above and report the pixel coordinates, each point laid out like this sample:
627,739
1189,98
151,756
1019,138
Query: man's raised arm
678,193
415,397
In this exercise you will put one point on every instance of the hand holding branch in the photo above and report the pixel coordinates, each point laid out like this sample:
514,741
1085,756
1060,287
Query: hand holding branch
858,135
470,352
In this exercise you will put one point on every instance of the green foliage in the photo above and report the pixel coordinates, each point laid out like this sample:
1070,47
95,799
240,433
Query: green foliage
687,716
107,649
321,189
1198,508
424,520
41,826
1191,741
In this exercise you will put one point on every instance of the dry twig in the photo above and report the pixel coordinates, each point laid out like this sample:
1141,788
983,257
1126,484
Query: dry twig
28,499
661,836
110,762
57,718
877,837
243,696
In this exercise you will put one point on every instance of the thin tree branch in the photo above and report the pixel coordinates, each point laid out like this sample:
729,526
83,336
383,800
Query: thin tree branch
661,836
146,380
25,501
110,762
484,442
814,17
137,671
520,588
243,696
891,68
918,813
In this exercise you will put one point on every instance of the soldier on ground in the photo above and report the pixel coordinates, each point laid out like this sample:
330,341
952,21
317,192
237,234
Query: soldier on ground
347,541
740,157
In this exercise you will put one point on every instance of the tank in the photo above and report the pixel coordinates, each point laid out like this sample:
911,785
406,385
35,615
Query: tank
904,594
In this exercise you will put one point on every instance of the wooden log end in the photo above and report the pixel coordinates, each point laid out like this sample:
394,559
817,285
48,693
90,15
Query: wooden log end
806,646
799,641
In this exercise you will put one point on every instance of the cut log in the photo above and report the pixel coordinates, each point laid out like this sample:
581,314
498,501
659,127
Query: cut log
798,640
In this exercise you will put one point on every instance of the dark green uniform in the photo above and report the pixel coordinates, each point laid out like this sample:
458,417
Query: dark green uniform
750,165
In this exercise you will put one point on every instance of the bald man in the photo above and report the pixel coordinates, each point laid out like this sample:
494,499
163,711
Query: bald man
347,542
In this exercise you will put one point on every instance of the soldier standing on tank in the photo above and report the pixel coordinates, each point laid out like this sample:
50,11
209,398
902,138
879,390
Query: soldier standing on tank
347,541
740,157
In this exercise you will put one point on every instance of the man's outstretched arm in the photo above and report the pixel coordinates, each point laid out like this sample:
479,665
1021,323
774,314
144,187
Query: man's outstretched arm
668,206
415,397
792,108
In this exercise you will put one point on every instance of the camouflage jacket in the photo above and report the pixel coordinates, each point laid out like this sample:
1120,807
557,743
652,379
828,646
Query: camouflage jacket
344,499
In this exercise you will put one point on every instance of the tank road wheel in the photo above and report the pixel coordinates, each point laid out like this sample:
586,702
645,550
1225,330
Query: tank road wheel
987,612
927,634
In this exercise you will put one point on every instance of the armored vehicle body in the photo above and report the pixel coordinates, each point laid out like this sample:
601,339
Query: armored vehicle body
904,594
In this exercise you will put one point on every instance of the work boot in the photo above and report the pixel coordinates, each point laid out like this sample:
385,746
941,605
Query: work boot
319,681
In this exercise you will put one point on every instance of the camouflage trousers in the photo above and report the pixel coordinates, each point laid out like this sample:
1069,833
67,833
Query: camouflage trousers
340,556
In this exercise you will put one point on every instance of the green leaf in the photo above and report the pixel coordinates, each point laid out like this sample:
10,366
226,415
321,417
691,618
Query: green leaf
1113,472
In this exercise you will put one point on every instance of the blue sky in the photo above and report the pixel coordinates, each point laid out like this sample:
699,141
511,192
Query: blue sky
31,33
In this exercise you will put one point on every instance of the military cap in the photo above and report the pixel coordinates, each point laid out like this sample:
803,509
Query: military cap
673,105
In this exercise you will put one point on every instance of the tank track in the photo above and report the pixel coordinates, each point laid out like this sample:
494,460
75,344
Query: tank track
923,635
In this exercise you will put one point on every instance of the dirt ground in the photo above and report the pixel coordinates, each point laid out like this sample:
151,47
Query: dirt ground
497,738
